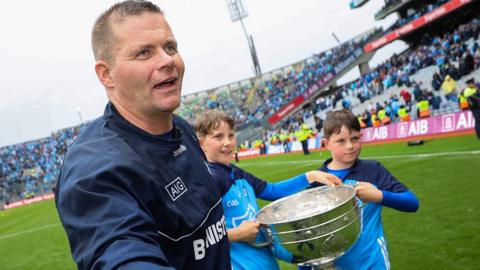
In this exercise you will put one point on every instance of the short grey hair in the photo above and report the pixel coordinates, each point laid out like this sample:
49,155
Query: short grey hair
102,34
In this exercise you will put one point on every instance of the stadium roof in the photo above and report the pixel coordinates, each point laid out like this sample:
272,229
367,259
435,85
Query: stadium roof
416,24
389,9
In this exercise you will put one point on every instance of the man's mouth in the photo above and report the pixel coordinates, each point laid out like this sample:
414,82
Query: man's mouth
166,83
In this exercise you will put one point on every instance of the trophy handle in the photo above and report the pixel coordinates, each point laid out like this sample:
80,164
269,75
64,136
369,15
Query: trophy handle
269,239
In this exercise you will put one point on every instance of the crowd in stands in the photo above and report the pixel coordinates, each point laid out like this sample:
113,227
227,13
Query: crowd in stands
231,101
448,52
31,168
254,102
275,93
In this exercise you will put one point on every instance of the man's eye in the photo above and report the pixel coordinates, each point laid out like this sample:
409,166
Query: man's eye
171,48
143,54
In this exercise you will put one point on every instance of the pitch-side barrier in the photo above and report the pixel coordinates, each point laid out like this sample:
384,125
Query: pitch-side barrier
29,201
441,124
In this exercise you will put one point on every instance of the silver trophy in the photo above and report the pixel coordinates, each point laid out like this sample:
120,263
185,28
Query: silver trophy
315,226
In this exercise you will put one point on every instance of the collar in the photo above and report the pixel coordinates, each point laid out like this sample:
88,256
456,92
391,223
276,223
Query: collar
220,165
118,122
229,169
354,167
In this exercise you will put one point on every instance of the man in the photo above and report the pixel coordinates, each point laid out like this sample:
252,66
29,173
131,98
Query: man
134,191
472,95
303,134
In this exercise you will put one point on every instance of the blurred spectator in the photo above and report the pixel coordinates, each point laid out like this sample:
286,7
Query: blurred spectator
318,123
449,87
472,94
437,81
302,135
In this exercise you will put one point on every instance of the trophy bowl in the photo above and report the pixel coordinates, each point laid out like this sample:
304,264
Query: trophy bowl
317,224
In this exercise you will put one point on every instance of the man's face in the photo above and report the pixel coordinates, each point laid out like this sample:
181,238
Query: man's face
147,72
219,145
344,146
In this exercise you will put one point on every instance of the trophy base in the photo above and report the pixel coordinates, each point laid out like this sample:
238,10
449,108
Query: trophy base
317,264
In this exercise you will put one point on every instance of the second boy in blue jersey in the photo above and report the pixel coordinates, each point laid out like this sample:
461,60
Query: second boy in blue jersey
240,191
374,185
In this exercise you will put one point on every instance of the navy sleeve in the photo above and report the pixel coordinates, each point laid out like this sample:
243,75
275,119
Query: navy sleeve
384,180
403,201
257,184
274,191
106,225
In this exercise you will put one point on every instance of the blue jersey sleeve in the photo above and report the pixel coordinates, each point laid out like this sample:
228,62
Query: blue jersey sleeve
274,191
403,201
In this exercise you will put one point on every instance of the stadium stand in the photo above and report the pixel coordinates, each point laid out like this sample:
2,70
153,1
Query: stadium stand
412,71
252,100
31,168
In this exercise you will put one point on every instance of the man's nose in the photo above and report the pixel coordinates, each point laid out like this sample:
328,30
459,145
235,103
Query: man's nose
165,60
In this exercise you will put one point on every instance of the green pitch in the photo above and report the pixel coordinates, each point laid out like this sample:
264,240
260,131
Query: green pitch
443,234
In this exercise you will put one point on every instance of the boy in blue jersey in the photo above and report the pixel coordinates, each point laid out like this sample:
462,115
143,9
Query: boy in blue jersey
374,185
240,191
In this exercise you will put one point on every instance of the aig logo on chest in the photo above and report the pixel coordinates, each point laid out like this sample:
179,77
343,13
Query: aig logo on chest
176,188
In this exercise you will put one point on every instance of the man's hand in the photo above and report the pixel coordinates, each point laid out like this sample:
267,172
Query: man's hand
323,178
368,193
246,232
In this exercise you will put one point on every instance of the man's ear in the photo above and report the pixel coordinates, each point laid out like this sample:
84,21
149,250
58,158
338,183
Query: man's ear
102,68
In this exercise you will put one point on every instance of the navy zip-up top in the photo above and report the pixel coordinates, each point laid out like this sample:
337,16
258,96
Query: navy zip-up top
131,200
